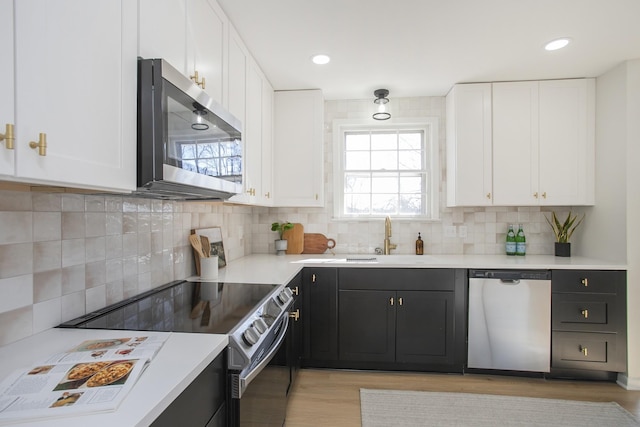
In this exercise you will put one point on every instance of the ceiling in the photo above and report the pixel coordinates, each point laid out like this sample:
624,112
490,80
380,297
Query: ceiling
423,47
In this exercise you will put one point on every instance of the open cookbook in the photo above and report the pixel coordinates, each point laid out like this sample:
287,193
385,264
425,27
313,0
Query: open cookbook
95,376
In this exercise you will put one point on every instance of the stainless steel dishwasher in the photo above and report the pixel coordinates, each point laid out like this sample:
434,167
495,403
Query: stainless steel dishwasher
509,320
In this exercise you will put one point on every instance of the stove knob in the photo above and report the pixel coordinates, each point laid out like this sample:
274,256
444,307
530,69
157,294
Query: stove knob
285,295
260,325
250,336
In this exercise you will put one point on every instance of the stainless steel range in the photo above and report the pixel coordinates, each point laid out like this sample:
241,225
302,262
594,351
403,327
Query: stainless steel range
254,316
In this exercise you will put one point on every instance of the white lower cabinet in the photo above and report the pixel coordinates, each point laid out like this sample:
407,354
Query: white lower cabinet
75,88
542,144
298,161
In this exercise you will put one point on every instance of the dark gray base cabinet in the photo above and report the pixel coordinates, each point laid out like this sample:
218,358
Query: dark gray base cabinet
202,403
320,316
386,318
588,322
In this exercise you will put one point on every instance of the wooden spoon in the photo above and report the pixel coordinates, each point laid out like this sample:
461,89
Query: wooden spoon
197,244
206,246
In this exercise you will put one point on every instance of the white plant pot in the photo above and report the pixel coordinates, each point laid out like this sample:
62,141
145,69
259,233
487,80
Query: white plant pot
281,246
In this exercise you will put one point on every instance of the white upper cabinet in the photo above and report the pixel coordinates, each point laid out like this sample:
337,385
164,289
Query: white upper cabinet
298,172
237,75
7,116
469,145
267,143
567,142
542,144
163,32
515,143
207,25
75,87
190,35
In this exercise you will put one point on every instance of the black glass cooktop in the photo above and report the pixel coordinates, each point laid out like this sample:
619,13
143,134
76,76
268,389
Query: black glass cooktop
181,306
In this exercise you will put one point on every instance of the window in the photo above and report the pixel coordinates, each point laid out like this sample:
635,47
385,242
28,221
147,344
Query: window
386,170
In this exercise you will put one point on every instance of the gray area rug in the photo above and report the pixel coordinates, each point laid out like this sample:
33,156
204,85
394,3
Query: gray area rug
387,408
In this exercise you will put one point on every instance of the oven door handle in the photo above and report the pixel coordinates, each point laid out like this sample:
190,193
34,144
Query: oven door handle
246,379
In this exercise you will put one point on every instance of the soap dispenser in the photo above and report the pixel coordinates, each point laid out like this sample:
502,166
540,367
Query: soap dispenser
419,246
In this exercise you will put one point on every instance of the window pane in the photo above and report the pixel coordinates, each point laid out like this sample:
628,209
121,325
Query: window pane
410,204
410,141
410,160
188,151
384,141
384,184
410,184
384,203
384,160
357,204
357,160
357,183
356,141
208,150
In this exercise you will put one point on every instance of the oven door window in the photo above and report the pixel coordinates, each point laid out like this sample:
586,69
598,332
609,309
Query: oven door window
198,140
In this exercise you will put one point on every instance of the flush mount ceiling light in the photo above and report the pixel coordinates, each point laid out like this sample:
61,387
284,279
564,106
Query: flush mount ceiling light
557,43
198,122
381,100
320,59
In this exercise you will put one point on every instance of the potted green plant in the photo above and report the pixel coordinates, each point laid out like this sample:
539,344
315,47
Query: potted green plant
281,244
563,231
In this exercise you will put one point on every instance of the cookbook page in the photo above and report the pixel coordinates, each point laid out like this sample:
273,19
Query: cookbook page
95,376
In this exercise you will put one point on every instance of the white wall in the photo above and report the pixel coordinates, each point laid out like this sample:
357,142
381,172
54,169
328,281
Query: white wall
611,230
633,218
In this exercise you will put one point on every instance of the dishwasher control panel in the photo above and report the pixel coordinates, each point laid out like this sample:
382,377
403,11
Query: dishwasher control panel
511,274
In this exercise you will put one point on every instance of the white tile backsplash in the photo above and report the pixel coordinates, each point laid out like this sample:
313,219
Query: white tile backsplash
62,255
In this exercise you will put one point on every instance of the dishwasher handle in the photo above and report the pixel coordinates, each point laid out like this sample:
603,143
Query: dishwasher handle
510,276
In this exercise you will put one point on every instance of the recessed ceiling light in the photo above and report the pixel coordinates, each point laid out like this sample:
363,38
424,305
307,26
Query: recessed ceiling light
320,59
557,43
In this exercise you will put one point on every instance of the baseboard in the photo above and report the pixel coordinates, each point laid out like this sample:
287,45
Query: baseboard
628,383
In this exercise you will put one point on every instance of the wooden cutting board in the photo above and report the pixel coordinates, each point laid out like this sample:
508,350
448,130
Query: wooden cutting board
295,239
316,243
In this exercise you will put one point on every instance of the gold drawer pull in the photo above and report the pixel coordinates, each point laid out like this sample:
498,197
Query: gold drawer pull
535,194
8,137
544,195
400,301
295,291
488,195
585,313
584,351
41,145
313,278
585,282
295,315
391,301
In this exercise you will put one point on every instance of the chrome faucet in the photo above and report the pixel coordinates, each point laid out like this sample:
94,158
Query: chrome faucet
388,246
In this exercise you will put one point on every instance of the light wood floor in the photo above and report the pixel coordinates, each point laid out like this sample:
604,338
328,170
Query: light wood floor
332,397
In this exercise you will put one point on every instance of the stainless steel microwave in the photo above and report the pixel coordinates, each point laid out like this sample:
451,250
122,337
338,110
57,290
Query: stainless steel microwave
189,146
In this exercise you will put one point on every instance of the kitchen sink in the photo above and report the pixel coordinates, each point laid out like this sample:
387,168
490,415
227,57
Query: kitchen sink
378,259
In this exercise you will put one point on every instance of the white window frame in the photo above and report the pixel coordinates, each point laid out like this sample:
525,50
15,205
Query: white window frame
428,125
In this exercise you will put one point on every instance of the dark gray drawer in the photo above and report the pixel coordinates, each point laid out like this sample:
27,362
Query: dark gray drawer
588,281
584,350
586,312
410,279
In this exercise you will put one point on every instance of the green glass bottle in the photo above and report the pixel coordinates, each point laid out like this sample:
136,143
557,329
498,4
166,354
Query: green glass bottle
511,241
521,242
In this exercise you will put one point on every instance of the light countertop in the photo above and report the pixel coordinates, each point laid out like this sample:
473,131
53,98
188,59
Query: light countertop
177,364
267,268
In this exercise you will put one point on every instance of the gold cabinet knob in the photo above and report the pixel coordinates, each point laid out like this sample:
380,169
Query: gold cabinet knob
584,351
196,79
295,291
391,301
535,194
295,315
488,195
41,145
8,137
544,195
585,282
268,195
585,313
313,278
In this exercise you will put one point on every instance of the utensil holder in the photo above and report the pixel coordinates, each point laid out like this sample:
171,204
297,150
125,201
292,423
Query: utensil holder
209,268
